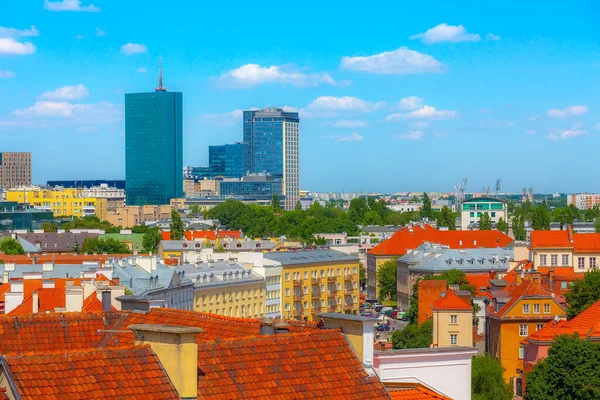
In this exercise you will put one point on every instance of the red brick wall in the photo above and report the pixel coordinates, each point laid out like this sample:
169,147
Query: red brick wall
429,291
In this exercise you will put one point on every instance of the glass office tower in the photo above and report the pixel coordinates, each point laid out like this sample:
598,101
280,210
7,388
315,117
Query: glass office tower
153,147
272,145
227,160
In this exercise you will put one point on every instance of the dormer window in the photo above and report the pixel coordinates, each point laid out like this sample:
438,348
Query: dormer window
238,245
449,262
472,261
204,278
258,245
225,276
197,245
460,262
184,245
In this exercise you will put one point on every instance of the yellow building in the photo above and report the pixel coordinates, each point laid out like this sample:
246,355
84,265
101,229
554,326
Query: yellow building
452,321
169,249
317,281
63,203
226,288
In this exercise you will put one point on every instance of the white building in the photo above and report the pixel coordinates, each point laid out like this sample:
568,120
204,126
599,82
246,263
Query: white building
473,209
104,192
584,201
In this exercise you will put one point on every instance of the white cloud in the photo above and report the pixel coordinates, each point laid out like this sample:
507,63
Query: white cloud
133,48
224,119
141,70
348,123
533,118
100,32
353,137
14,33
410,103
6,74
67,93
420,124
401,61
446,33
490,37
425,112
345,103
9,46
566,133
413,135
86,114
69,5
567,112
251,75
530,132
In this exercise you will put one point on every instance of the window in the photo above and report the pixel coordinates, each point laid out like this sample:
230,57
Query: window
543,260
453,319
523,330
305,274
453,339
564,285
554,260
287,291
471,214
592,262
565,260
580,262
538,326
546,308
521,352
493,214
525,308
536,308
287,276
322,273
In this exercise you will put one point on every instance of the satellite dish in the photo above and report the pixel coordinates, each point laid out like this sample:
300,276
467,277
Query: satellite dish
556,319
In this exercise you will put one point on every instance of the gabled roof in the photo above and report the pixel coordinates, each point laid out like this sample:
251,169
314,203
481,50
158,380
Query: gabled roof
550,239
108,373
587,242
450,301
406,239
92,303
586,325
300,366
57,242
480,281
48,300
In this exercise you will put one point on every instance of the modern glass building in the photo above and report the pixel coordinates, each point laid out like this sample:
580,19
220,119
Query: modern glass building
227,160
22,216
272,145
256,186
153,147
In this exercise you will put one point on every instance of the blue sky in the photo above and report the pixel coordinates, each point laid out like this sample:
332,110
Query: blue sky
393,96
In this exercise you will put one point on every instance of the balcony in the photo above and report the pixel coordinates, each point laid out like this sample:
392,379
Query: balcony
332,293
348,307
298,296
332,307
298,312
316,295
297,282
331,279
315,281
349,277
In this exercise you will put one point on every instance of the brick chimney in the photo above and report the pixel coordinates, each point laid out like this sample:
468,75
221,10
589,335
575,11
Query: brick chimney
177,351
570,233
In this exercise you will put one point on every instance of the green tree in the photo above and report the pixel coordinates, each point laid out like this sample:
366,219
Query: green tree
584,292
298,206
485,222
109,246
386,279
570,372
275,202
320,241
177,232
151,240
76,247
540,219
11,247
90,222
413,336
357,210
413,304
426,210
50,227
446,218
502,225
372,218
518,227
195,209
487,382
597,225
362,273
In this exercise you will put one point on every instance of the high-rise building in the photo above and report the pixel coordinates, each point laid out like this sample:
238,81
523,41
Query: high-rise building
227,160
15,169
153,146
272,145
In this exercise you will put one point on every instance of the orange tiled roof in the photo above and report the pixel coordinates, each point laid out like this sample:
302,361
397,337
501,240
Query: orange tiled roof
92,303
450,301
586,324
300,366
59,258
525,289
48,300
550,239
405,239
133,373
419,393
587,242
479,281
208,234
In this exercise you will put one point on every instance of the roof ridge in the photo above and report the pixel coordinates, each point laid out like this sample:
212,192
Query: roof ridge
269,337
38,353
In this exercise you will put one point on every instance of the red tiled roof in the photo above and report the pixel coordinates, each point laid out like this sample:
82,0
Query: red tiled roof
48,300
587,242
450,301
117,373
586,324
526,289
550,239
59,258
299,366
405,239
479,281
419,393
208,234
429,291
92,303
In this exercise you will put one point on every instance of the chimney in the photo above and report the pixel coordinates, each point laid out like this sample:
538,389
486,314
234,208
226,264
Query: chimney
570,233
520,277
267,327
551,279
281,328
358,330
106,301
177,351
5,277
35,302
74,297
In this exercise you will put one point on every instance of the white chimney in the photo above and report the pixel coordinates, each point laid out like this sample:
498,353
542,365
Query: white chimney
48,266
5,277
35,302
74,298
9,266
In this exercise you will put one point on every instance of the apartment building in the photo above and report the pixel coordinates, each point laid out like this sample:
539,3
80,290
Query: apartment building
565,249
473,209
129,216
584,201
317,281
452,321
15,169
62,202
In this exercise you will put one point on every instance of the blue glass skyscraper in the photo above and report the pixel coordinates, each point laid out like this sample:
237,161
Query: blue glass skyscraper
153,146
227,160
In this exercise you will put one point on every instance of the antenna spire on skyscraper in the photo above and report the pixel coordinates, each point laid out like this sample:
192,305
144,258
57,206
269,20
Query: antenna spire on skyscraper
160,87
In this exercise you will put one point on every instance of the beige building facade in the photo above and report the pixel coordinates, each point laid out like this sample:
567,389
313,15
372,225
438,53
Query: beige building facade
452,321
128,216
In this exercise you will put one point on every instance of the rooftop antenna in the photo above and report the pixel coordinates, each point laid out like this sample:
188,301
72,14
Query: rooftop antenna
160,87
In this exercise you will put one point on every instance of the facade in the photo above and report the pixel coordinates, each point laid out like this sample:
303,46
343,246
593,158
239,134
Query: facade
584,201
471,211
409,238
565,249
129,216
15,169
317,281
15,216
452,321
226,288
62,202
153,147
259,186
227,160
272,145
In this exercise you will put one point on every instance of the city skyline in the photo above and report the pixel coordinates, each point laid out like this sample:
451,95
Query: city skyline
425,98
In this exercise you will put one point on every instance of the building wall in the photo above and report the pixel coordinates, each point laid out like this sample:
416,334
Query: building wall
15,169
403,285
471,211
311,289
537,257
373,264
236,300
443,328
129,216
63,203
429,291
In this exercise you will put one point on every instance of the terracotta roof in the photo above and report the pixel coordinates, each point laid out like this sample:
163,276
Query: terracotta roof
116,373
586,324
92,303
293,366
479,281
405,239
208,234
527,288
419,393
550,239
48,300
587,242
450,301
59,258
